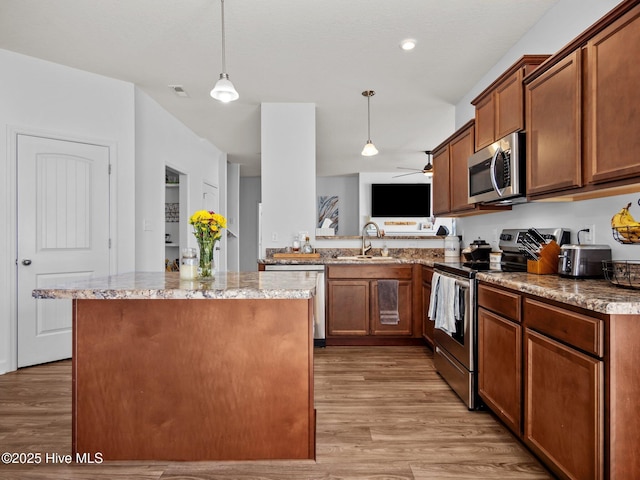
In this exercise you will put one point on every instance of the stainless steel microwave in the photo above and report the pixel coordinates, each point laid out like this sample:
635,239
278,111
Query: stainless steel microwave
497,172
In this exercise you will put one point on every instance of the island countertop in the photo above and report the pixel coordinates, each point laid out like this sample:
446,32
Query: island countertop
168,285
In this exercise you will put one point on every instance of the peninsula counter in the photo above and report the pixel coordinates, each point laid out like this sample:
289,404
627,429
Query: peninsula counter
165,369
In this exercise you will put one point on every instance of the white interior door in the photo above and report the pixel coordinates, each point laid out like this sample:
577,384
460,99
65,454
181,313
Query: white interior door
63,234
211,202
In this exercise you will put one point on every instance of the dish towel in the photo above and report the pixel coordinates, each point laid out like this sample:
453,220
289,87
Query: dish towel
388,302
442,305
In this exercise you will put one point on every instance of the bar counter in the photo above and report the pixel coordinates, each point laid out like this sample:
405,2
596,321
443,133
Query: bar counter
165,369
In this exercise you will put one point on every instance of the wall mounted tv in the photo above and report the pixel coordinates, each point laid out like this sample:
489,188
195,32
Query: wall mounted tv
401,200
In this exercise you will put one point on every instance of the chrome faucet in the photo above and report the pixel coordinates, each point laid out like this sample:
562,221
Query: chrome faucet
366,248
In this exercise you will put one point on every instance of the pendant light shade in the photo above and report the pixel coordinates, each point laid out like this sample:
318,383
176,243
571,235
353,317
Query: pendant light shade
224,91
369,148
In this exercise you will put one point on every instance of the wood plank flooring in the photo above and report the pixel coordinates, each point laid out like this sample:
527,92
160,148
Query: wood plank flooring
382,413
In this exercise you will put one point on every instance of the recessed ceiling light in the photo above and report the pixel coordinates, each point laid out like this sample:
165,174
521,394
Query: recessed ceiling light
408,44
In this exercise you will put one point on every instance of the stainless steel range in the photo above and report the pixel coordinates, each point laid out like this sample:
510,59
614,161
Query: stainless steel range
454,308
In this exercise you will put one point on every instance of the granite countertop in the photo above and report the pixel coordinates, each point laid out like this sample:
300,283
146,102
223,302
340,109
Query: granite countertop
597,295
168,285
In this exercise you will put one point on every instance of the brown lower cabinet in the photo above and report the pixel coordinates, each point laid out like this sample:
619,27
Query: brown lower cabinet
427,324
564,416
353,315
563,379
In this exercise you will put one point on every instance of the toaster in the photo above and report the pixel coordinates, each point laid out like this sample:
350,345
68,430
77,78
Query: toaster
583,261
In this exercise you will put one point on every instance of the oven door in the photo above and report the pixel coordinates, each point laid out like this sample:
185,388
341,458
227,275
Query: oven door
460,344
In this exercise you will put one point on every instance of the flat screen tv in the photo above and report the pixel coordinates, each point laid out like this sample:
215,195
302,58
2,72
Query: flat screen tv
401,200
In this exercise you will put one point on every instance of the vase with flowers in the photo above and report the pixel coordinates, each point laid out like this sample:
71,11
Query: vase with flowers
207,228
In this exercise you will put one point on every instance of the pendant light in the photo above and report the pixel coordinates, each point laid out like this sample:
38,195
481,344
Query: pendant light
224,90
369,148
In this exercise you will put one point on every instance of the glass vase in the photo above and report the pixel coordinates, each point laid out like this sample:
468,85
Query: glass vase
205,270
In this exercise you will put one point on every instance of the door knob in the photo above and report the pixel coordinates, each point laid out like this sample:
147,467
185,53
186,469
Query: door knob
26,262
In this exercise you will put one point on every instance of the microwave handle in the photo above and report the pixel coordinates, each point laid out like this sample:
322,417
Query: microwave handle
492,168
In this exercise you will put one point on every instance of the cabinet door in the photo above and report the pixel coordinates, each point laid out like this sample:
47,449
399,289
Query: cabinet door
509,100
461,148
563,416
500,366
348,307
485,122
427,323
440,182
404,310
612,100
553,105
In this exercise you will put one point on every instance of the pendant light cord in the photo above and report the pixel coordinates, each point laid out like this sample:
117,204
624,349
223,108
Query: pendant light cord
368,118
224,49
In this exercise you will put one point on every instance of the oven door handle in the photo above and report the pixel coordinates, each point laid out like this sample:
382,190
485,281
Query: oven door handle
492,169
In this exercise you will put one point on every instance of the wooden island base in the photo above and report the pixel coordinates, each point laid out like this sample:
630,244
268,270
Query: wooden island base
193,379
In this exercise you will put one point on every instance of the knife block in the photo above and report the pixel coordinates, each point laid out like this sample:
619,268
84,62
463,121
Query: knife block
548,261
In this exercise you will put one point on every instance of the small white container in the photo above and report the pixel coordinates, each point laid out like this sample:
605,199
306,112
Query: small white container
452,248
188,264
495,259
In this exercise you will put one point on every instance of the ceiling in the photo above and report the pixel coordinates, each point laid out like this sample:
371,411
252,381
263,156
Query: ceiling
325,52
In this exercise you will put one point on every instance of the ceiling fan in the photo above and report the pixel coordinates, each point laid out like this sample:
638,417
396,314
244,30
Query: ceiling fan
427,170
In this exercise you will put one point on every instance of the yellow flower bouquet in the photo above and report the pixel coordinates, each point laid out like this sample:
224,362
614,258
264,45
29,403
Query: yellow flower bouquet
207,228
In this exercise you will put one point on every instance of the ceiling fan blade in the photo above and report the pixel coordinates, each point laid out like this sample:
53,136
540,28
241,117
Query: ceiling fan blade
405,174
414,169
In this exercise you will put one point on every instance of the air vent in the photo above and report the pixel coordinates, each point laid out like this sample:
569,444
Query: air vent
179,90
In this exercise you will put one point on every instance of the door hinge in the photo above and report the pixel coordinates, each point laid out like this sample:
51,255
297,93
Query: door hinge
109,243
109,169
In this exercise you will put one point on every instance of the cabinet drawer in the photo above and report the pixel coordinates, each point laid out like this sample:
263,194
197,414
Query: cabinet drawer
400,272
581,331
500,301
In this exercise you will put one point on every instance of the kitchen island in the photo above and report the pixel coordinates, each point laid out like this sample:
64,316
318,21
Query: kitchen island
167,369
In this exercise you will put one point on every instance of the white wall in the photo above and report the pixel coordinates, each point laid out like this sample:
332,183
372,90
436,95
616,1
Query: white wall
162,140
571,215
44,98
346,189
288,172
249,200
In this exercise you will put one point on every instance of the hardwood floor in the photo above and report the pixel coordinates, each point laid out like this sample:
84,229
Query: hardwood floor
382,413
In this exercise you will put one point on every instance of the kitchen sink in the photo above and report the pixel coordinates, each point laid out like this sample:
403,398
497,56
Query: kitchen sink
364,257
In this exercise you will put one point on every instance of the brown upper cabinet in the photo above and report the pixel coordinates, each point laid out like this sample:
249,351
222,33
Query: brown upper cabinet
553,139
450,189
613,101
450,176
582,112
500,107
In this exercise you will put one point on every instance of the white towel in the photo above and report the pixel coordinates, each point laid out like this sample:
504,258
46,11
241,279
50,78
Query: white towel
442,306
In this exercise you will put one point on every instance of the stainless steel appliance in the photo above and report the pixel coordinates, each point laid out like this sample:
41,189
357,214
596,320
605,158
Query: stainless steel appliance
497,172
512,241
455,351
583,261
319,335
